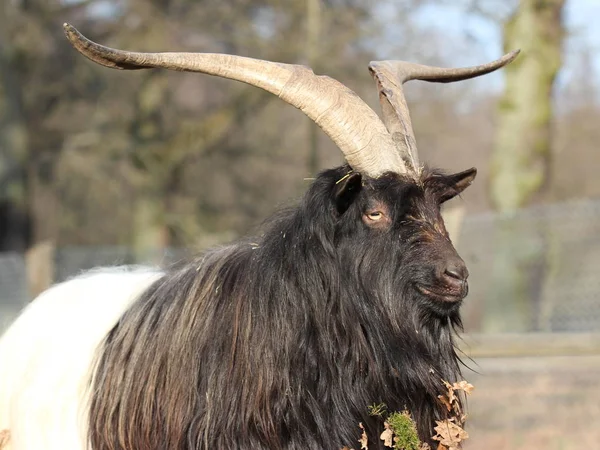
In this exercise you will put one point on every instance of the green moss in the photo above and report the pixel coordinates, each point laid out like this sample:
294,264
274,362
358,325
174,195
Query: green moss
405,431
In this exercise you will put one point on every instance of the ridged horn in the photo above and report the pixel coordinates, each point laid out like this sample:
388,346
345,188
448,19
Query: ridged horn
391,75
346,119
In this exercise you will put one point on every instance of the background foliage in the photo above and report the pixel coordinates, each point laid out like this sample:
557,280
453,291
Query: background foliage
157,159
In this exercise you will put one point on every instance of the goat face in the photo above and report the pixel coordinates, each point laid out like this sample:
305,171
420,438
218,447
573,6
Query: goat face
391,235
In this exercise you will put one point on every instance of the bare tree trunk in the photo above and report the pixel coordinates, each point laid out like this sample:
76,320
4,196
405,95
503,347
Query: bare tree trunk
39,261
521,161
523,141
14,143
150,236
150,233
313,31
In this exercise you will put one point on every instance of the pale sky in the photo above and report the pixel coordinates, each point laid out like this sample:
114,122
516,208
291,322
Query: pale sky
581,20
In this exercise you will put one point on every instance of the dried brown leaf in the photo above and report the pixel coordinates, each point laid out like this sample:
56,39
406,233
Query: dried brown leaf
463,386
4,438
387,435
451,396
450,434
364,441
445,401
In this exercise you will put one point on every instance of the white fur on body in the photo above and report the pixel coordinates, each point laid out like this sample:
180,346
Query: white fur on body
47,354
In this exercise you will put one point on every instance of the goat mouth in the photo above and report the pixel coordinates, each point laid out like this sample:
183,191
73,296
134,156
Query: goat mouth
449,296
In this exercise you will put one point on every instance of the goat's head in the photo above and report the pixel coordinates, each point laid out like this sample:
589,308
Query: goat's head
394,222
385,199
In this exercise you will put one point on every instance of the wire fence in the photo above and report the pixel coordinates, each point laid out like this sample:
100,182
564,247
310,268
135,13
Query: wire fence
13,287
536,270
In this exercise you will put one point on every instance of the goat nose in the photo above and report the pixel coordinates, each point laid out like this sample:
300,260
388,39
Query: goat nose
456,270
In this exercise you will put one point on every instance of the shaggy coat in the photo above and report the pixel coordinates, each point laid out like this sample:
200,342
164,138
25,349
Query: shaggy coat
282,341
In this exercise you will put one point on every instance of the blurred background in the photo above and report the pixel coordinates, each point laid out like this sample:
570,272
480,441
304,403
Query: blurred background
102,167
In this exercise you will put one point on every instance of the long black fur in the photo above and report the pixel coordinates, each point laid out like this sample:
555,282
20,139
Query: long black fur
282,341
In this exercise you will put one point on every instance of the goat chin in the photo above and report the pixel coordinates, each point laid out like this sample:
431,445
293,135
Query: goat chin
43,392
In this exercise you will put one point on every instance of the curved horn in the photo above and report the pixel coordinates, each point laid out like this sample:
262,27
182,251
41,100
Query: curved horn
345,118
391,75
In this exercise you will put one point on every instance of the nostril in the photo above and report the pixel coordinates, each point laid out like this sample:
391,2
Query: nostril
457,271
454,273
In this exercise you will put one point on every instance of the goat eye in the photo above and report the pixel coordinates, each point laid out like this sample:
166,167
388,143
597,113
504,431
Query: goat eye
375,216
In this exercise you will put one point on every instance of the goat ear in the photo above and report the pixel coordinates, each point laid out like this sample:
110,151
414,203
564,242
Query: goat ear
457,183
346,191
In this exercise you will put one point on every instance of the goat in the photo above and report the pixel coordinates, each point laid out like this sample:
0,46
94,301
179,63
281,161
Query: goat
278,341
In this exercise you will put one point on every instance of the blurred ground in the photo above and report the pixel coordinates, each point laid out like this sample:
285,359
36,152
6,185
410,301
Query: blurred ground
550,403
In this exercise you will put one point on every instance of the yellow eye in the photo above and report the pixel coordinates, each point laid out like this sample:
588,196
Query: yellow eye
375,215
